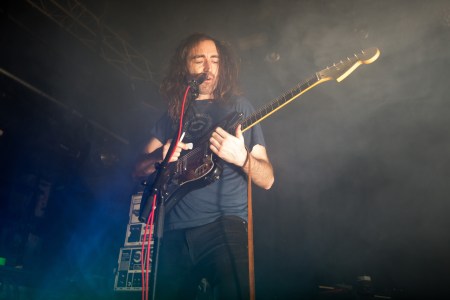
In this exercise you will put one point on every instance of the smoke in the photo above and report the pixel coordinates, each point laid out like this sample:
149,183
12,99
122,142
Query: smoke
362,166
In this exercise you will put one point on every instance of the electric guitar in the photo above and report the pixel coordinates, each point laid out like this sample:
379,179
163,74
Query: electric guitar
200,167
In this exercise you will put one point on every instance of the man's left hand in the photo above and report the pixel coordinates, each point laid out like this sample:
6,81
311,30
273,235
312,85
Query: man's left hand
228,147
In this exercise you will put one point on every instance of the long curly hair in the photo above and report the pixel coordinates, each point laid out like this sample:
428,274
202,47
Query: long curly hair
173,85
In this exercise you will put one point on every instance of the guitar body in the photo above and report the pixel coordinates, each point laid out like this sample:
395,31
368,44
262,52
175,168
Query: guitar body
207,170
197,168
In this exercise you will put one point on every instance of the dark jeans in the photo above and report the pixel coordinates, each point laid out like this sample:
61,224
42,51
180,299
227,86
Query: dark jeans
216,252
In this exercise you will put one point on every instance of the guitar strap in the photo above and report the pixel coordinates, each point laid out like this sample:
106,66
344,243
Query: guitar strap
251,262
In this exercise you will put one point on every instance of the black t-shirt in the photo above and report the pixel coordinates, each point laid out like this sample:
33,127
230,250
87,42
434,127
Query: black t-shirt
226,196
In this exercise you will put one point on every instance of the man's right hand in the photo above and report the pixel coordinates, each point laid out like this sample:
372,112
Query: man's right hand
181,146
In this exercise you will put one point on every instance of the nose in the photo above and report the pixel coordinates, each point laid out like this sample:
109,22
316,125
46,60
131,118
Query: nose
206,66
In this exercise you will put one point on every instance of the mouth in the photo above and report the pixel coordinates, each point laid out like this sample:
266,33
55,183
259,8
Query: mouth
207,81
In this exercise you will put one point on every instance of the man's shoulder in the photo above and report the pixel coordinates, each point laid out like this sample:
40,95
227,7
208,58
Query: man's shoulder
242,104
240,99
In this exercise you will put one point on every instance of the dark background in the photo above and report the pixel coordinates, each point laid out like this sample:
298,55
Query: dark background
362,167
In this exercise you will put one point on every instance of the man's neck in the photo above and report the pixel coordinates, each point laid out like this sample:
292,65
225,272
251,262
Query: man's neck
205,97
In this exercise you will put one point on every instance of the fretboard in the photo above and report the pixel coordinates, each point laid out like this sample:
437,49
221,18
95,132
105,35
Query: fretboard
279,102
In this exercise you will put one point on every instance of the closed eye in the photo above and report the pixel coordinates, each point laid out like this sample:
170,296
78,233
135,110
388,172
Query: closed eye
198,61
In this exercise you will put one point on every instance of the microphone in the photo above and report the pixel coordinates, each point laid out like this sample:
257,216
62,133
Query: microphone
196,80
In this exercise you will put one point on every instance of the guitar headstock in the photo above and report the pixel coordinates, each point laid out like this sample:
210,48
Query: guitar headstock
339,71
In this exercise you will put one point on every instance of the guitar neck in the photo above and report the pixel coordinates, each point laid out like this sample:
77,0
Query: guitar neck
281,101
338,71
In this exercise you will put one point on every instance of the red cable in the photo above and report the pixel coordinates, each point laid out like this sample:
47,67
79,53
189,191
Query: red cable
181,119
145,264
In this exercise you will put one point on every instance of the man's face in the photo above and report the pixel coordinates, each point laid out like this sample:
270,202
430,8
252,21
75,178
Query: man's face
204,58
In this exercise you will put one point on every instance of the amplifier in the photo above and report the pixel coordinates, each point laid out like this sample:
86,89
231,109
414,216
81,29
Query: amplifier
135,207
135,235
129,274
135,228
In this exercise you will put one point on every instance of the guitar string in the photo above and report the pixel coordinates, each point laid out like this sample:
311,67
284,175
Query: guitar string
278,102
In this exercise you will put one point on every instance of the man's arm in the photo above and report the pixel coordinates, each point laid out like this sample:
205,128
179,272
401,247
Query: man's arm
261,168
232,149
154,152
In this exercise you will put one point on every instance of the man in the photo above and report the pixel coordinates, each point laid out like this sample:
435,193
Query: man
205,232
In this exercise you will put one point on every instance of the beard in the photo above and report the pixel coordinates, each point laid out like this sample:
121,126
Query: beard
207,88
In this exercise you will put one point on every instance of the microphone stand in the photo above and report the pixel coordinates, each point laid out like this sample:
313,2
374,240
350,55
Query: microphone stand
156,189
